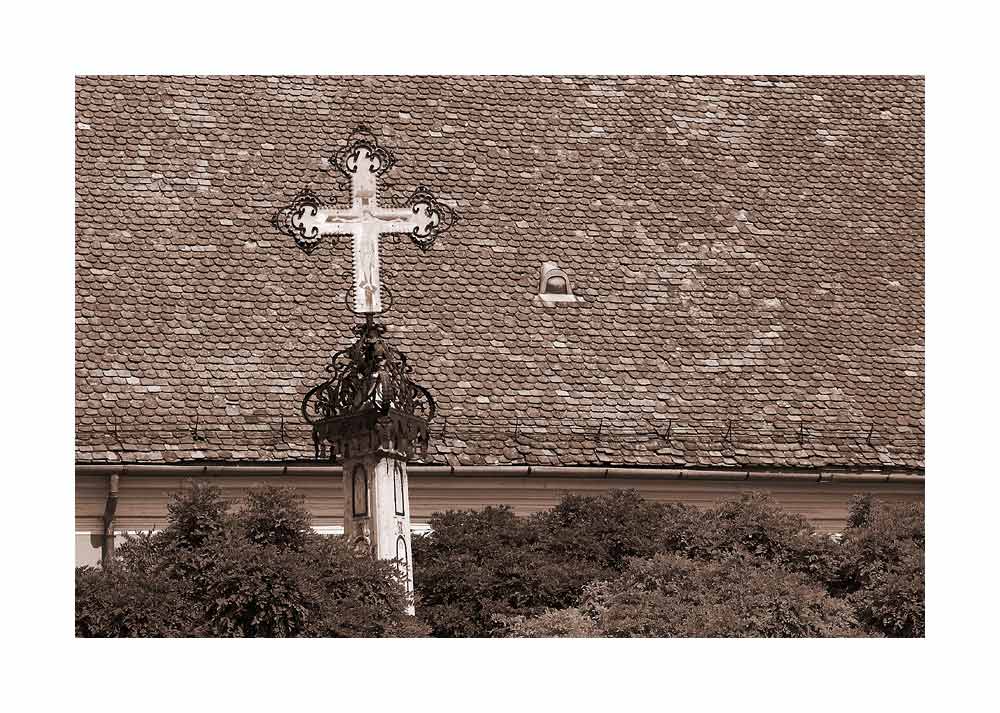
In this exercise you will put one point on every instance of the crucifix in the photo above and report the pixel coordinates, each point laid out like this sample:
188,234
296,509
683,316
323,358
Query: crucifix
370,412
363,161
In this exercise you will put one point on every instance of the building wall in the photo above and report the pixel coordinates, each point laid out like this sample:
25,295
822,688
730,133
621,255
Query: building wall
142,500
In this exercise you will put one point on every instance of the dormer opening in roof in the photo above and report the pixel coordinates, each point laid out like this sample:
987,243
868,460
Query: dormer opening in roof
554,286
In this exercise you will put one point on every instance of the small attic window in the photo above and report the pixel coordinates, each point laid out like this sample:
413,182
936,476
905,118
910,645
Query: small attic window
554,285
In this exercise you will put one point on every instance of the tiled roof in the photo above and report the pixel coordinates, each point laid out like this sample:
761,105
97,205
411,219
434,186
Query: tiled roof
749,249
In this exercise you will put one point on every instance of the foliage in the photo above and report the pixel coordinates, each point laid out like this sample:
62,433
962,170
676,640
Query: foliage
605,530
122,602
883,570
479,567
551,623
259,571
615,565
610,565
195,516
274,516
671,596
752,525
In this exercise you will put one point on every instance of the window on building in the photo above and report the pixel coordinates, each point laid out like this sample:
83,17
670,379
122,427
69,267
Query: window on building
554,286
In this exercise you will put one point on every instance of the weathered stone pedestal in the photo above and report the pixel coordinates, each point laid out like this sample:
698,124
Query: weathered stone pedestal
374,448
377,514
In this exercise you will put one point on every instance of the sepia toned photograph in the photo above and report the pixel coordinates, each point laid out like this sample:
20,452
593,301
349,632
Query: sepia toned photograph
499,356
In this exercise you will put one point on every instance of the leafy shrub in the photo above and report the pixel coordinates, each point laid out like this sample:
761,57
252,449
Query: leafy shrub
893,602
671,596
195,516
883,570
478,568
611,565
753,525
490,573
481,565
259,571
118,602
277,517
551,623
879,537
605,530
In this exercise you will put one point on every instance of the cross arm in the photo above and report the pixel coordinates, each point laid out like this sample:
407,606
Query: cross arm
396,220
424,219
307,220
337,221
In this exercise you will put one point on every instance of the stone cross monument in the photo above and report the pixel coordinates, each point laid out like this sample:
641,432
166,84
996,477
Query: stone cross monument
373,417
363,161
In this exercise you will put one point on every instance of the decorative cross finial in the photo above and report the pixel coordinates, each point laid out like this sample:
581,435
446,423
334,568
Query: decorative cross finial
363,161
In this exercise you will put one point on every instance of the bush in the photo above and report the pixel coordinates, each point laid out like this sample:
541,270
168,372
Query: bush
752,525
883,570
260,571
490,573
611,565
893,602
672,596
605,530
551,623
479,568
119,602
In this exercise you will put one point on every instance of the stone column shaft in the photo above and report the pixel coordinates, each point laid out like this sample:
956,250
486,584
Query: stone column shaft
377,508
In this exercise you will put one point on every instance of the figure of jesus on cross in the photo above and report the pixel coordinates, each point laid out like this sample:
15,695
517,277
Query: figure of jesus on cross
363,161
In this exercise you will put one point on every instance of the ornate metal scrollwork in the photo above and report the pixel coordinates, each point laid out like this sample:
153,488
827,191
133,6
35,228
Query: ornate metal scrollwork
370,390
371,373
363,139
439,217
293,220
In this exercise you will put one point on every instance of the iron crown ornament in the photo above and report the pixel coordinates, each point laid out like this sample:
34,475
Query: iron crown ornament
369,391
369,374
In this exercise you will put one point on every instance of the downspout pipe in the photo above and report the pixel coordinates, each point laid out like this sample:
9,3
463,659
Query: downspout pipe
110,506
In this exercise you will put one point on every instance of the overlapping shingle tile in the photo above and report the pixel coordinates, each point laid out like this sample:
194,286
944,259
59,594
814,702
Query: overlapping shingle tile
750,252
